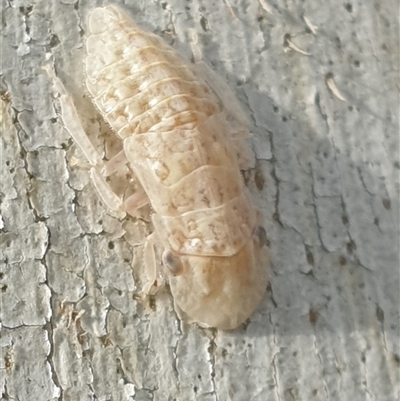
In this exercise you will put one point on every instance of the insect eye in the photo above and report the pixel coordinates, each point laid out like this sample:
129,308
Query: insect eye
260,236
172,263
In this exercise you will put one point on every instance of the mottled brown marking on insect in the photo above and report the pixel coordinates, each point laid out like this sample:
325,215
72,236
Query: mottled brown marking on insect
179,129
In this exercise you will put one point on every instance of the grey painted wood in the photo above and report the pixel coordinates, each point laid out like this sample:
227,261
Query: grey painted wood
326,180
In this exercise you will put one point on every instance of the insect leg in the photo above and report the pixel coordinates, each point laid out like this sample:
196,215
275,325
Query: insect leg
130,205
114,164
100,169
107,195
150,263
136,201
71,120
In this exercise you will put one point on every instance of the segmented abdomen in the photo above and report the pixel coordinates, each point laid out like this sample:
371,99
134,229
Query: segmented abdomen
175,136
137,81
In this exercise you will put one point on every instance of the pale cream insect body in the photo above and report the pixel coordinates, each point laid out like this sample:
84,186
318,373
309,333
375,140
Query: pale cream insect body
178,140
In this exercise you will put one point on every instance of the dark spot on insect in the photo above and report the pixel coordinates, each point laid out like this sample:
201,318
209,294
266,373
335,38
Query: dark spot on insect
152,303
276,109
310,258
260,18
7,163
54,41
363,359
100,222
342,261
351,246
384,46
204,24
345,220
313,316
195,389
199,377
380,315
357,63
376,221
172,263
164,6
259,180
338,42
386,204
349,7
4,288
111,245
1,275
396,358
224,353
325,154
12,170
284,119
315,391
350,108
294,354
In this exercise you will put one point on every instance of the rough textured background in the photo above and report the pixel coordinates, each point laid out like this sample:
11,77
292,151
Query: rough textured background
328,327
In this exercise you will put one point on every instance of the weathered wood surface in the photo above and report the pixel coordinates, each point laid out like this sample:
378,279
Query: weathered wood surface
328,327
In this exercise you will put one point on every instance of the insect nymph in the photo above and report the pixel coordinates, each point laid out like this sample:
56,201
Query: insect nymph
178,138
